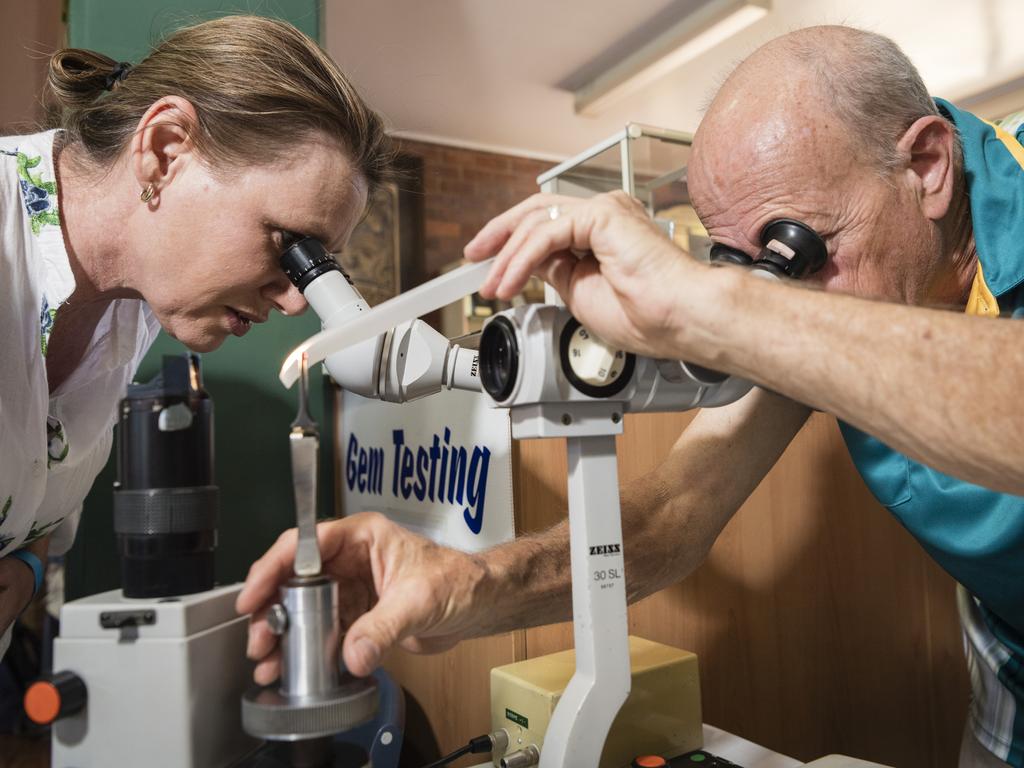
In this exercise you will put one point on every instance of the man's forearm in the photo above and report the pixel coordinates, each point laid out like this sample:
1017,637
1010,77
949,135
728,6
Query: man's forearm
536,568
670,517
942,387
528,582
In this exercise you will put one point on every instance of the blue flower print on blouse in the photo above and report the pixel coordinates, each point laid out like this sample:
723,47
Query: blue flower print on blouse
46,318
37,199
39,196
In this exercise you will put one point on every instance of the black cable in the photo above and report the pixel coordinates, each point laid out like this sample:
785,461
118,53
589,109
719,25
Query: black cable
475,746
450,758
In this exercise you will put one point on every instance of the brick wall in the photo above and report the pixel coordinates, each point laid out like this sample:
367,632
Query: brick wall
463,189
31,32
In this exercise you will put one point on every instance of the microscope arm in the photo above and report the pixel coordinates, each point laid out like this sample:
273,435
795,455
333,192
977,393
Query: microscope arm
672,385
410,361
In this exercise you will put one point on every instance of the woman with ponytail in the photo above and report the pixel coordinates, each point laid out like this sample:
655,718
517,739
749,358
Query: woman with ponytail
159,196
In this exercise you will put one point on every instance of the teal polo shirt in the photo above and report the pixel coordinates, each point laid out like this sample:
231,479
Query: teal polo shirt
974,533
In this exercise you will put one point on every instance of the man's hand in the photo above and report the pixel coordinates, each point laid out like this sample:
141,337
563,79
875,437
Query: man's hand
625,287
395,588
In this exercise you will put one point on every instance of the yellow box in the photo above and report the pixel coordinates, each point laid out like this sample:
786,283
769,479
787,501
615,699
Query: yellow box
661,716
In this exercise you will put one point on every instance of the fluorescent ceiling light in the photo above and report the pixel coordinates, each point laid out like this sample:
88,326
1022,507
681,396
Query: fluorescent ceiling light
700,31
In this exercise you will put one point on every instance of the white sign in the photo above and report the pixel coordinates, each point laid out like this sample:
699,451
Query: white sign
441,466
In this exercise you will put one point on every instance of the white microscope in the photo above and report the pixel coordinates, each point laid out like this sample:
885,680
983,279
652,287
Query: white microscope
558,380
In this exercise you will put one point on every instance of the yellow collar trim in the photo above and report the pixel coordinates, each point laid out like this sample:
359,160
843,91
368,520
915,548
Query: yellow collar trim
981,301
1010,143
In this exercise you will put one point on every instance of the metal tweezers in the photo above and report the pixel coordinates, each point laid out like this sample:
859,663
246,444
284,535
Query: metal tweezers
304,439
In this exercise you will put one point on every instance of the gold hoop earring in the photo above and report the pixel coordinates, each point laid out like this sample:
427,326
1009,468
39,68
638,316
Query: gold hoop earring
147,193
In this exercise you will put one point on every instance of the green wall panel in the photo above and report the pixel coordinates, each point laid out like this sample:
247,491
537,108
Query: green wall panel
252,415
126,29
252,411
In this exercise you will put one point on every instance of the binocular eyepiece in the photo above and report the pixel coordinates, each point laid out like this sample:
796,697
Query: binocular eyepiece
789,249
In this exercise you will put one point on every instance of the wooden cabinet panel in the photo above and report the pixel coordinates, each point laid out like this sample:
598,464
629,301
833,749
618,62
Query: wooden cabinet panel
820,624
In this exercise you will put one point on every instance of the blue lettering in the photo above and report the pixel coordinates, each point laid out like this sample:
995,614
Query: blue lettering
444,465
416,473
457,476
420,489
350,464
362,470
476,489
375,481
398,438
435,454
406,473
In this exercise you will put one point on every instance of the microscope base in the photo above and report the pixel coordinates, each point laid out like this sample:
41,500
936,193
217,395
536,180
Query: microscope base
163,678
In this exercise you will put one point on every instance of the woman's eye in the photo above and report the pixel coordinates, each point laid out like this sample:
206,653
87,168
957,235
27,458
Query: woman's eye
284,238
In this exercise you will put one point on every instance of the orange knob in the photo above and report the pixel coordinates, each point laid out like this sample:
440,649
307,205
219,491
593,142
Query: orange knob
649,761
54,697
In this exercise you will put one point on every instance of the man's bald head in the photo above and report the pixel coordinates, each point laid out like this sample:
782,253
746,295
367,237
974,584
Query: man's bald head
858,82
833,127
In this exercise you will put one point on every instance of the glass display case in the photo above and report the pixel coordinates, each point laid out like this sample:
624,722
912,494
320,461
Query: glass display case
646,162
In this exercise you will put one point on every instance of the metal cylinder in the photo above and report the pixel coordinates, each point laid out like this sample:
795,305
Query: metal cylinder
464,369
313,698
524,758
309,664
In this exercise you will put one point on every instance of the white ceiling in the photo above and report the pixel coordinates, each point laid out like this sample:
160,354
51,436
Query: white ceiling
498,74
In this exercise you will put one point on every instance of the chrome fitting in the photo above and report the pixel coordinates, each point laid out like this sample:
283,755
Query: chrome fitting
524,758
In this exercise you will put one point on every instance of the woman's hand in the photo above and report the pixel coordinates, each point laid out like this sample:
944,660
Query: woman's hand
394,587
615,269
18,583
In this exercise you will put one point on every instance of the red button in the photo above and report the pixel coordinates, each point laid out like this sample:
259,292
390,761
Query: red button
649,761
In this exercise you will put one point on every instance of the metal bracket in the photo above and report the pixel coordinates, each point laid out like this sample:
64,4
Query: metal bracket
123,619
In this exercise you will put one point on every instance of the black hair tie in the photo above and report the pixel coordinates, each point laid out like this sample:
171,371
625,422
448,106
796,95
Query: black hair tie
117,74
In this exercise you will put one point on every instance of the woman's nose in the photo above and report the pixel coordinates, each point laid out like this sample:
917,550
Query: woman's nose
286,297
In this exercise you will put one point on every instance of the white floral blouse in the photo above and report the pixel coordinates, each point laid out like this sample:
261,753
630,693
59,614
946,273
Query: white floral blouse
51,447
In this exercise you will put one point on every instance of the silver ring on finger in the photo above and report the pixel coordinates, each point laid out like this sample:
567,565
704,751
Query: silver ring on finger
554,212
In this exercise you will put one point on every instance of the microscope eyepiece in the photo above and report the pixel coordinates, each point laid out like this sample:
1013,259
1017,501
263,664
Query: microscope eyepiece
499,358
305,259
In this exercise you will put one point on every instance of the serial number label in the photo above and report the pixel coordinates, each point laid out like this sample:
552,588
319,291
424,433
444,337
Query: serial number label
607,577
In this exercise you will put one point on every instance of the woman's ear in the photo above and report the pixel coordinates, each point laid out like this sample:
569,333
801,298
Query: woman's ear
929,145
162,144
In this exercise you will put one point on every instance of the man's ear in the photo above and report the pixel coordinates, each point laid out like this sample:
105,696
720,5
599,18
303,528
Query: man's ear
162,143
929,146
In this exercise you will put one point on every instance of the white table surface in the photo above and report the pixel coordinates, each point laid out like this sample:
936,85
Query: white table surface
743,752
740,751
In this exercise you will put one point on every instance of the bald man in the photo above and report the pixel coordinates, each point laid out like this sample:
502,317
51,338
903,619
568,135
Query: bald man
921,208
